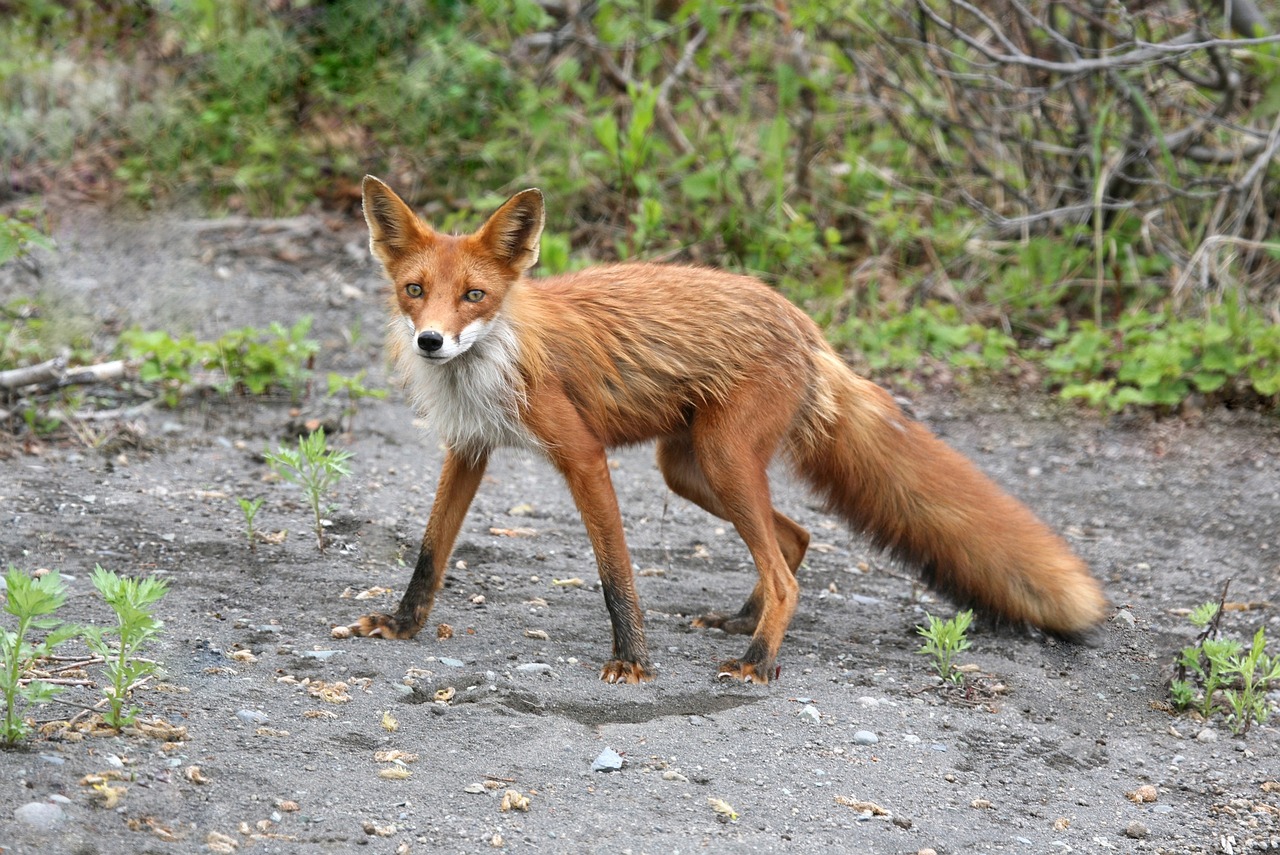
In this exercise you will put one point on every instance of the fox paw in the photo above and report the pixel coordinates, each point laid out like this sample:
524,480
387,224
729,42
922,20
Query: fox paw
747,672
619,671
376,625
738,624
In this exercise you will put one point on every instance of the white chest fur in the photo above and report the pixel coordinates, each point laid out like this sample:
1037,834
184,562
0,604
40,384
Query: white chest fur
472,400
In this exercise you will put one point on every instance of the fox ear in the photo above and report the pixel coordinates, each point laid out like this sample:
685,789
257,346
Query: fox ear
512,233
393,227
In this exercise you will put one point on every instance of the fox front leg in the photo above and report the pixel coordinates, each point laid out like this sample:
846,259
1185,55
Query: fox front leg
459,480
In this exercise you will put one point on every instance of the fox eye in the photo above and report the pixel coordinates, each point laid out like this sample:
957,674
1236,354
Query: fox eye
475,295
413,289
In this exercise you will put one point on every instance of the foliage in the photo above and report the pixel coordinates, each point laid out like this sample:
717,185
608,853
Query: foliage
1155,359
248,361
976,188
255,362
1220,675
32,601
32,331
944,640
355,390
17,236
316,468
136,625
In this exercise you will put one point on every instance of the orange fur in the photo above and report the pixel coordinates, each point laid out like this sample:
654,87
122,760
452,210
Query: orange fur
725,374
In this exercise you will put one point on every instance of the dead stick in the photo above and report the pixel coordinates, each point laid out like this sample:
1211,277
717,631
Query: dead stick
16,378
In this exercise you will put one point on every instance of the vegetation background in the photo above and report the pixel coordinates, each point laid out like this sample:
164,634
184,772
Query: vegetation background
1079,195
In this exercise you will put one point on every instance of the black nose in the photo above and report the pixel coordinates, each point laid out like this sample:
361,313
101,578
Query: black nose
430,341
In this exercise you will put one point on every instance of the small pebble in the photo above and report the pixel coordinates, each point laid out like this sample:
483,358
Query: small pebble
474,789
607,761
1136,830
42,816
450,662
672,775
1207,735
252,716
534,668
810,712
865,737
320,654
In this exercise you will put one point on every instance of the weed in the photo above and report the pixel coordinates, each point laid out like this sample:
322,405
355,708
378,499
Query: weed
249,508
944,639
316,468
136,624
250,360
164,360
18,237
31,600
1156,359
1219,675
355,390
255,361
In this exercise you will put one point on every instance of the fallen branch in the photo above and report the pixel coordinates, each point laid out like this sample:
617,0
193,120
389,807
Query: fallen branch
53,374
16,378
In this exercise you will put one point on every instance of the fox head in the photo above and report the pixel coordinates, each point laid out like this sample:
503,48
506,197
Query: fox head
448,288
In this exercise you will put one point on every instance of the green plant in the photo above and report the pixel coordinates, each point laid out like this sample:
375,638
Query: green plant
17,237
313,466
1158,359
136,625
250,510
355,390
1219,675
164,360
31,600
250,360
255,361
1255,672
944,640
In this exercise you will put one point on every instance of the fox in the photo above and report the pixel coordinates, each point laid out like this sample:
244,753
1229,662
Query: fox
724,374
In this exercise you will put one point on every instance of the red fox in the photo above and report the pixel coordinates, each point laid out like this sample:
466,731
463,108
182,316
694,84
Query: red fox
724,373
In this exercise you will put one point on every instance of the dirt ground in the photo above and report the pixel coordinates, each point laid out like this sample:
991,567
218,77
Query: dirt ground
854,749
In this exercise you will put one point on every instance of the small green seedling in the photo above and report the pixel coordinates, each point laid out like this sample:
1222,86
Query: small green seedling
249,507
136,625
1255,672
1220,675
31,600
316,468
944,639
355,390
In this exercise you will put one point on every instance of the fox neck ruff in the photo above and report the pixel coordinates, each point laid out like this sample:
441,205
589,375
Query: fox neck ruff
472,401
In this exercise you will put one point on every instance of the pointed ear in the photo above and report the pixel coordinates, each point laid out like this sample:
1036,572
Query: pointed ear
512,233
393,227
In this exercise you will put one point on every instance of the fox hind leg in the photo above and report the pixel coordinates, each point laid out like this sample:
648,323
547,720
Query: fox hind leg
683,474
732,444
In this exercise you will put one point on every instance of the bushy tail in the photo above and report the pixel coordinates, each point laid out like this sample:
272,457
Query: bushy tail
891,479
